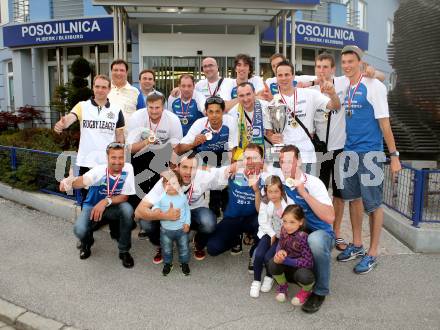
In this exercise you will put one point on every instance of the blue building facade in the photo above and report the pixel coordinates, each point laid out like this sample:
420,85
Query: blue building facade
41,38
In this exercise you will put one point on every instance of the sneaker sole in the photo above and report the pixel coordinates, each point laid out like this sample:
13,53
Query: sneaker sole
236,253
296,303
351,257
250,271
157,262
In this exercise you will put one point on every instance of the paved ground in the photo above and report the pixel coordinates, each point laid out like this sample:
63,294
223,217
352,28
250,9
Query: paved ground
40,270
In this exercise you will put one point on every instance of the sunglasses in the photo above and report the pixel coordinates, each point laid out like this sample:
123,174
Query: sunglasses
214,100
115,145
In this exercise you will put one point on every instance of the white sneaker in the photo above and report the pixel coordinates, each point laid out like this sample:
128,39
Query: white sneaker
267,284
255,289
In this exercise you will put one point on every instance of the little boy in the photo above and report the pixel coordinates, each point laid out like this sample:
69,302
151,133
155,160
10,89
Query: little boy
174,231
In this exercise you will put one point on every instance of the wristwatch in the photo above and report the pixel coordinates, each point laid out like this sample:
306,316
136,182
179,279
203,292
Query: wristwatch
395,154
109,201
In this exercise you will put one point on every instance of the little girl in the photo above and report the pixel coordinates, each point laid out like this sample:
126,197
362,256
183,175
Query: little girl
293,260
269,218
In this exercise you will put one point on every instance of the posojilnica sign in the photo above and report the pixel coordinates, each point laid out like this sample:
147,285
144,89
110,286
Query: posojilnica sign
58,32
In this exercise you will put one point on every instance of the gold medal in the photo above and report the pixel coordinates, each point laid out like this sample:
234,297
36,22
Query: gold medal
290,182
293,123
349,112
326,116
184,121
152,138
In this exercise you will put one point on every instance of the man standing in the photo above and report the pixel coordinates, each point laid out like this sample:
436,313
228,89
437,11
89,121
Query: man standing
302,104
147,79
101,122
196,185
244,72
189,105
122,94
310,193
367,125
150,131
110,185
213,85
250,113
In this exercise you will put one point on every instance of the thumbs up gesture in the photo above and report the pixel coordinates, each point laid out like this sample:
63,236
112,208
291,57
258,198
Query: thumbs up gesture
60,125
172,213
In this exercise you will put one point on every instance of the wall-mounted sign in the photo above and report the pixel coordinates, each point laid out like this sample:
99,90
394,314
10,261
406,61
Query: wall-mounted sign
59,32
323,35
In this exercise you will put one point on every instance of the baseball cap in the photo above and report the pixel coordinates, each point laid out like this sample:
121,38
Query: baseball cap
354,49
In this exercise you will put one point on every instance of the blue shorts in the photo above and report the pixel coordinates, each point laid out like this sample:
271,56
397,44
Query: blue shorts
362,177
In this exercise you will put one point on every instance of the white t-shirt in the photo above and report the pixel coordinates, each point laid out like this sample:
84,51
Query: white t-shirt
316,188
168,129
272,83
98,128
256,81
206,90
203,182
336,136
307,104
202,125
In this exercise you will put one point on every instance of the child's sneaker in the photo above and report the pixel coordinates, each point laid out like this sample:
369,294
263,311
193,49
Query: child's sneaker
301,297
366,265
267,284
282,292
157,259
251,266
167,268
351,252
255,289
236,250
185,269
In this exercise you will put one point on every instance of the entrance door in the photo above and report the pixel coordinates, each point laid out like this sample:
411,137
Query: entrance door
169,68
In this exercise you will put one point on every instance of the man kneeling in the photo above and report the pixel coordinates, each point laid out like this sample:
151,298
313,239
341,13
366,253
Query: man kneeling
110,185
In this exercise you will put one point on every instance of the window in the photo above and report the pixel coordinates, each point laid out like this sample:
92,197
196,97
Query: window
362,9
390,30
4,12
349,6
21,10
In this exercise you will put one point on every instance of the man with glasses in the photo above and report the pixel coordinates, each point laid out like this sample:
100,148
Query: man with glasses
109,187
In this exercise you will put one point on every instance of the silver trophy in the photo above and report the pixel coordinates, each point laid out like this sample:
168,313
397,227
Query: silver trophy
278,118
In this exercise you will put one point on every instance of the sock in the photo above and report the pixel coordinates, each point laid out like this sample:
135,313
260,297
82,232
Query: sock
281,279
307,287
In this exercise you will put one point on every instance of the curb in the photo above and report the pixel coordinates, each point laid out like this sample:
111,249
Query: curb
23,319
51,204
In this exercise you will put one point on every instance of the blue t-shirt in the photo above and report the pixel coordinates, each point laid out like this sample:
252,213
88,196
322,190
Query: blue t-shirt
179,201
241,202
362,126
190,111
219,140
312,221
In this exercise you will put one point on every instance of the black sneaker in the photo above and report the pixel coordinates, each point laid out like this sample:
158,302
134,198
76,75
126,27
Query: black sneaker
313,304
84,251
142,235
185,269
237,250
251,266
127,259
167,268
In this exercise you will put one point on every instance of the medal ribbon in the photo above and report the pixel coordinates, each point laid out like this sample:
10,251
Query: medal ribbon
216,89
189,193
350,99
211,129
185,112
110,193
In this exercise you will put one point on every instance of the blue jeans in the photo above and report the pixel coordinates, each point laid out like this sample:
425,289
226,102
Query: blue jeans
167,237
263,253
321,243
202,219
122,212
227,231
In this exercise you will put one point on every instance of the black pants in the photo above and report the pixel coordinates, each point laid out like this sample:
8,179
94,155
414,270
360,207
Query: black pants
327,170
300,276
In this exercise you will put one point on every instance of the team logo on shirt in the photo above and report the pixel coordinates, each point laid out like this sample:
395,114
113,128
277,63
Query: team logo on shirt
110,115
